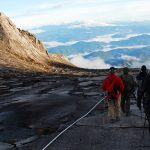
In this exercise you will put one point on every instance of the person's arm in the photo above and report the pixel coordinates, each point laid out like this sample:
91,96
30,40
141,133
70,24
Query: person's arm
138,77
146,83
120,85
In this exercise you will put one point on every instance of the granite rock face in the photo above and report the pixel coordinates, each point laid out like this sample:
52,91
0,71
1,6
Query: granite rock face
21,49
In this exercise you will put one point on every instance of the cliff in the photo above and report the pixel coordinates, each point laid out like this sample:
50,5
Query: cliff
20,49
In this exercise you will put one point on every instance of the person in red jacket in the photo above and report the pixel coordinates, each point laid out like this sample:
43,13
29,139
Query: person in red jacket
113,85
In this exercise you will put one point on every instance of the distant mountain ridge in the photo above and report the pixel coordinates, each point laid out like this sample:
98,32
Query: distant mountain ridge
77,48
112,53
86,47
115,57
143,39
21,49
124,42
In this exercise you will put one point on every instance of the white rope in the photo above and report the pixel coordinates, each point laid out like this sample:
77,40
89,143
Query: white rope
73,124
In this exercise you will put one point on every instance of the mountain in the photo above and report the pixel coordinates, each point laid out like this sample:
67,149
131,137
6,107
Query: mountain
115,44
78,32
143,39
137,46
77,48
22,50
89,47
116,56
71,32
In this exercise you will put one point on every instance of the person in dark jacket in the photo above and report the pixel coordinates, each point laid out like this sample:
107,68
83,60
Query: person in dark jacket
113,85
146,103
129,85
140,81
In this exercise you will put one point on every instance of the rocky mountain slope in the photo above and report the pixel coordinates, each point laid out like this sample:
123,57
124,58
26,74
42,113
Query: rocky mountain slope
20,49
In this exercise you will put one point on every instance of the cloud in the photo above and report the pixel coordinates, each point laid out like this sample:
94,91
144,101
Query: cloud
92,23
55,43
53,5
103,38
130,58
98,63
109,37
109,48
92,12
36,31
135,62
90,64
138,64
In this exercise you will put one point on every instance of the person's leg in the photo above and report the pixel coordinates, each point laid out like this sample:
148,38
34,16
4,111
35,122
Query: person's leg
139,97
147,113
123,103
127,105
118,108
146,104
148,119
111,113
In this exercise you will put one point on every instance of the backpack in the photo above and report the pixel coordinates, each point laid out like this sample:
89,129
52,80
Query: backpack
128,82
113,93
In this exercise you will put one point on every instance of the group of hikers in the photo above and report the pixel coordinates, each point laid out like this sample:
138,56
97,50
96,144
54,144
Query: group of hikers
119,90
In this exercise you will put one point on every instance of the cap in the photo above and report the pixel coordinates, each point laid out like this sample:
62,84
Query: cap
143,68
112,68
125,70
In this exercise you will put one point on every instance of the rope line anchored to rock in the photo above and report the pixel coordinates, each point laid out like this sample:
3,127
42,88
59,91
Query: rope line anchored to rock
73,124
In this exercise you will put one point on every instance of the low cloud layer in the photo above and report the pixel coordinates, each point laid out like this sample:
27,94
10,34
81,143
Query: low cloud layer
97,63
90,64
55,43
130,58
36,31
92,23
137,64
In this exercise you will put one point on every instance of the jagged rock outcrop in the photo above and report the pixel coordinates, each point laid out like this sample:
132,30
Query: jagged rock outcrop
21,49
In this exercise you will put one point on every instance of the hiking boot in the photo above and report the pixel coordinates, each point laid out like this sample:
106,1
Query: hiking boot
112,120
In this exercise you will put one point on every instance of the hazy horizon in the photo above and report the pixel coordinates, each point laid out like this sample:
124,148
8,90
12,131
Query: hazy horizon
31,14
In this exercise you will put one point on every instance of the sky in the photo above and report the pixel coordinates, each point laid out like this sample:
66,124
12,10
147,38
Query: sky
35,13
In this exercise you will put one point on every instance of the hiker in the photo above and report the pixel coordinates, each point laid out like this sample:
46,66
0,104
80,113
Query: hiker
113,85
129,85
146,104
140,81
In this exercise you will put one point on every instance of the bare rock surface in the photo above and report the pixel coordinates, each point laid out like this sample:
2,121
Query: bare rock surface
34,106
95,132
38,110
5,146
